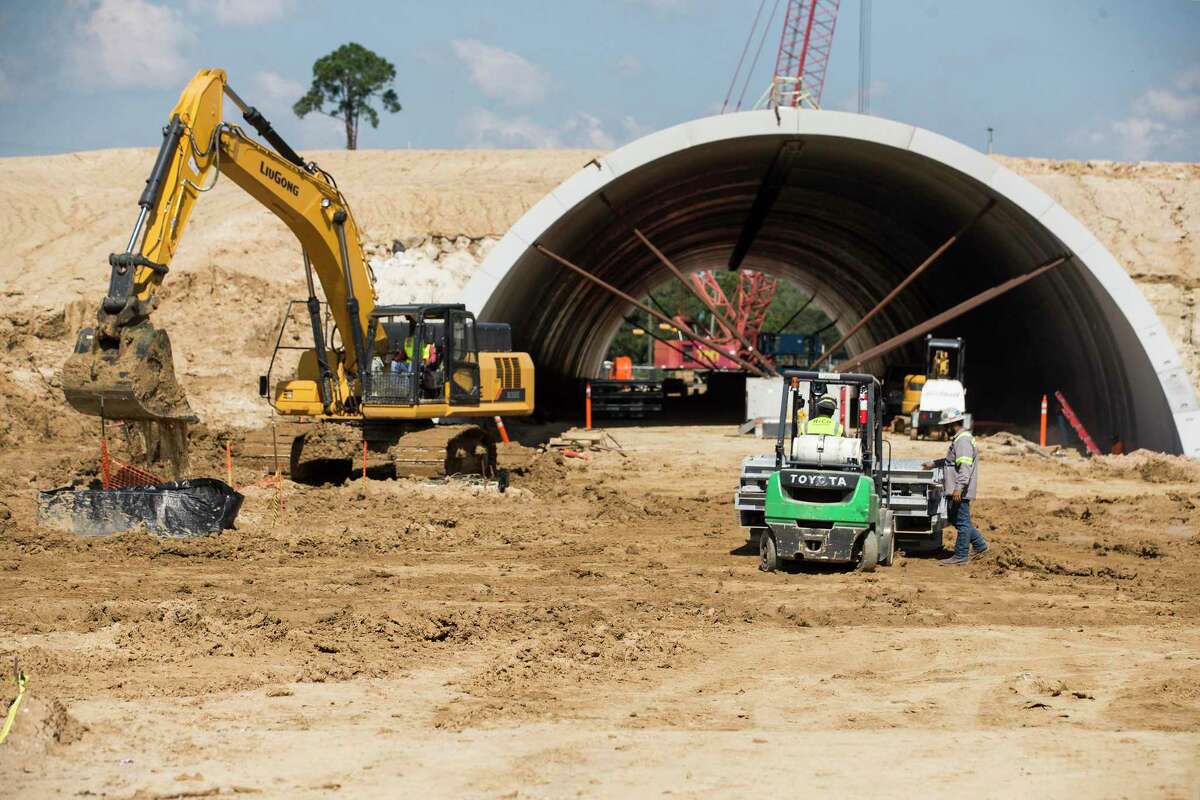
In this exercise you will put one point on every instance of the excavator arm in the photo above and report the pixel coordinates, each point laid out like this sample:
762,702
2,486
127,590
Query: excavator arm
123,369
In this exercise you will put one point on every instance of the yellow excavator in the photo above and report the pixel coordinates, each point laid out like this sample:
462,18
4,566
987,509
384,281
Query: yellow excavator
401,378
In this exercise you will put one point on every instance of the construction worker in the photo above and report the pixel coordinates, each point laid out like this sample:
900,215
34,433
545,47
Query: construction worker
823,423
409,343
960,476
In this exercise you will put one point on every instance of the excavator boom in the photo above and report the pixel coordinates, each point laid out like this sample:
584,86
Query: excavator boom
123,367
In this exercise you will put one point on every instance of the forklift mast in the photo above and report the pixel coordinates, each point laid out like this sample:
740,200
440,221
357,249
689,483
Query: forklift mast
866,401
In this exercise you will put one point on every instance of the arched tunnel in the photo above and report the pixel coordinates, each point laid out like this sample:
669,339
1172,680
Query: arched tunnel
862,201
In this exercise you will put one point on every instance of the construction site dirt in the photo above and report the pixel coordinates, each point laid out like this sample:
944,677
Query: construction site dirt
602,629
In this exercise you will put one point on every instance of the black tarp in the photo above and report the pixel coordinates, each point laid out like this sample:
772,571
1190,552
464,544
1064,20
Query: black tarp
179,509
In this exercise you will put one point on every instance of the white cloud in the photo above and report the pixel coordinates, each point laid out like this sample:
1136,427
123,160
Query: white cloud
131,43
1139,136
484,128
629,66
1172,105
240,12
1162,122
1176,103
502,74
587,130
276,86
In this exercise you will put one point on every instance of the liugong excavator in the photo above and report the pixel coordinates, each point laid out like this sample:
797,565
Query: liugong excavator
393,371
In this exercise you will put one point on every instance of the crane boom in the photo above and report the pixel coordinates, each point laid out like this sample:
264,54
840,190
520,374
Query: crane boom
804,47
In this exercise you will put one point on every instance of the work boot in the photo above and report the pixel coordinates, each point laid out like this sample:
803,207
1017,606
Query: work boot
954,561
979,553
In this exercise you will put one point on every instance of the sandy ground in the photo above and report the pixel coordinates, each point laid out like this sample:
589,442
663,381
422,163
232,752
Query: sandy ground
601,630
598,631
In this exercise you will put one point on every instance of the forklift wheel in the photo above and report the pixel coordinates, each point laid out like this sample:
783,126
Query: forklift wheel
768,557
888,539
868,558
890,556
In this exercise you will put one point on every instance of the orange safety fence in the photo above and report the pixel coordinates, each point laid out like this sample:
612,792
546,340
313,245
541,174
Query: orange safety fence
117,474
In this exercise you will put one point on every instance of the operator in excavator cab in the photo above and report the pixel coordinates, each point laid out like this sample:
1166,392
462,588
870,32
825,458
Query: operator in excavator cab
822,423
402,359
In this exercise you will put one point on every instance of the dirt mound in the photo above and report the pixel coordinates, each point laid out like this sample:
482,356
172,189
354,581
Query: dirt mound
545,473
1011,558
41,724
1150,467
28,417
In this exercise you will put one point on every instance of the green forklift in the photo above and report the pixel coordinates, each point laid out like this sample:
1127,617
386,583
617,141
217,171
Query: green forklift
827,499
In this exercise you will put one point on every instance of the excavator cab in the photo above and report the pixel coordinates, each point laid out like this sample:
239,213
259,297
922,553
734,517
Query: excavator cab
430,357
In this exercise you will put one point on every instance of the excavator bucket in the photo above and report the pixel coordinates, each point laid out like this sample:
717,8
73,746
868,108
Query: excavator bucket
134,380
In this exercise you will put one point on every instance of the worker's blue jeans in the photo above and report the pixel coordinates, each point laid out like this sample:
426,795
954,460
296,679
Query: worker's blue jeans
968,535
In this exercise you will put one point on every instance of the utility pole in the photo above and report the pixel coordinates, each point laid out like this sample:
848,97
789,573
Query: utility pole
864,56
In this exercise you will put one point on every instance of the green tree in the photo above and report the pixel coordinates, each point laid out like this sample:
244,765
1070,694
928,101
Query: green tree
346,81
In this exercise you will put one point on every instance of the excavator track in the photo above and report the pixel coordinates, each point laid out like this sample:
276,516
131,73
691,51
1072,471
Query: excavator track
333,451
445,450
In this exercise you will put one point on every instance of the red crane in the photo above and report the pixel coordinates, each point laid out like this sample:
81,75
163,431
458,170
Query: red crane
755,292
800,65
804,49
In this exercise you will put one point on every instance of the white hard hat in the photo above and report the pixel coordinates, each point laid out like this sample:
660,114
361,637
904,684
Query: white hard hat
950,416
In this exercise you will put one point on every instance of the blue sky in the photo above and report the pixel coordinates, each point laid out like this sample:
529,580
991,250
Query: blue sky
1055,78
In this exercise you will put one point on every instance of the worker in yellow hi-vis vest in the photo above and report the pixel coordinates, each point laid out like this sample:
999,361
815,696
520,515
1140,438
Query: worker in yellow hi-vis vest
408,350
822,422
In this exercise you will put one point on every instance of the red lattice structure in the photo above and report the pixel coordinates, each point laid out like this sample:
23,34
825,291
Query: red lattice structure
756,290
804,48
117,474
746,313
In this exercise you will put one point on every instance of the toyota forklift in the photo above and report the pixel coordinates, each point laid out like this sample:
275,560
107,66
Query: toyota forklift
827,498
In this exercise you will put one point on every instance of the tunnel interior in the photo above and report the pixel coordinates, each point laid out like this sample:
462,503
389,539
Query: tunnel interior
853,218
